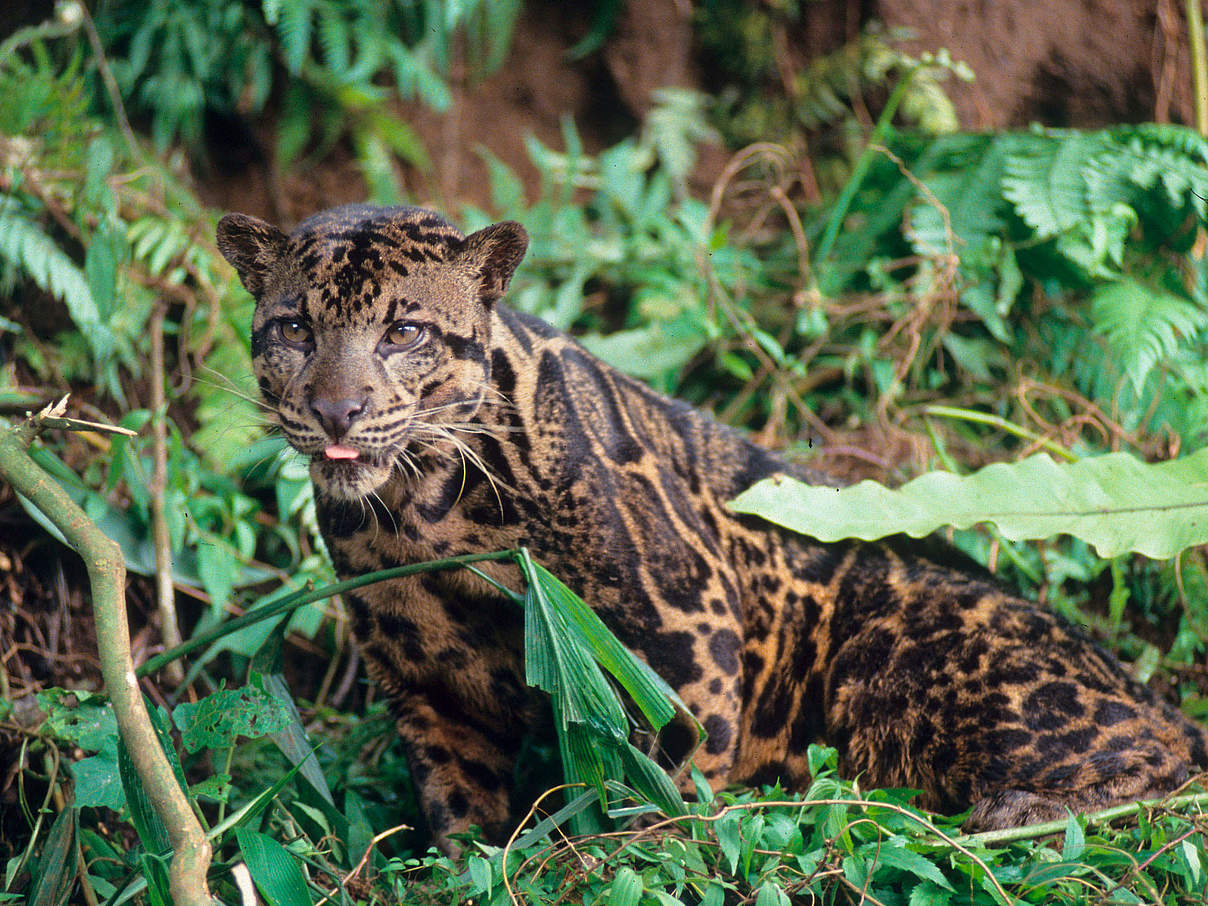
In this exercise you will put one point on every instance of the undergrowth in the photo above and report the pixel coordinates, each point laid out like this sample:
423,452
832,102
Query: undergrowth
960,299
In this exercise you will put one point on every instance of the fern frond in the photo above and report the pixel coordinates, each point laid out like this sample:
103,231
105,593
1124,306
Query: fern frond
26,247
496,25
332,33
676,124
377,166
966,184
1185,179
823,89
1143,325
1123,172
1044,180
1165,135
295,28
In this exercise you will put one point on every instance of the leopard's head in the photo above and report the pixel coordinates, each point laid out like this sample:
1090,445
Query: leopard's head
371,334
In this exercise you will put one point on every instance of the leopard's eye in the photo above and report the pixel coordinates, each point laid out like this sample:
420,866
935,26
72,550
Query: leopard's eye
295,333
402,334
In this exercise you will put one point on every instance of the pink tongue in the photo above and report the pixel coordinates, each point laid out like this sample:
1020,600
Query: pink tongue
335,451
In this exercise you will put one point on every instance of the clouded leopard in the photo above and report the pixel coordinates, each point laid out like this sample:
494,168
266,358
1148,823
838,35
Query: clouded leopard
438,421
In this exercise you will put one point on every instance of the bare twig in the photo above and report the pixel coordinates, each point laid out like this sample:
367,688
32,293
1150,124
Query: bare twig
115,95
1199,64
165,592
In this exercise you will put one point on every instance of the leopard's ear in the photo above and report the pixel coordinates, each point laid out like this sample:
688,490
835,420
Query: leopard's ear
491,255
252,247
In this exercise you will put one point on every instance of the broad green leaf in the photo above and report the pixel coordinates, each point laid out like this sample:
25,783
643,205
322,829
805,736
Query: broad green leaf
650,351
219,572
1114,502
98,781
480,874
909,861
219,718
727,828
751,839
83,718
1192,854
782,834
101,263
928,894
626,888
1075,840
275,871
771,894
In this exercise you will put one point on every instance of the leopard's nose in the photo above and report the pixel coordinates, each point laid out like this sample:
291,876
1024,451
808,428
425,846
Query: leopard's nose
337,416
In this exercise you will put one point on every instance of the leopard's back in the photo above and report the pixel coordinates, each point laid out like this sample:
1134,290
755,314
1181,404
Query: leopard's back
440,422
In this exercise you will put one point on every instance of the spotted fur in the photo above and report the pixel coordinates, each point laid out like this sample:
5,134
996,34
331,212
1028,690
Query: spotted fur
378,334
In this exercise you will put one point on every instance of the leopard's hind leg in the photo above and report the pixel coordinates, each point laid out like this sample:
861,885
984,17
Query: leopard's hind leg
1148,770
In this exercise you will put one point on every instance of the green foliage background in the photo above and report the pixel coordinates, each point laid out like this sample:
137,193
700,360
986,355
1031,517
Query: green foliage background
956,299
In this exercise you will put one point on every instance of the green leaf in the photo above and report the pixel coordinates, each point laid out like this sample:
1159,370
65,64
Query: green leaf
626,888
480,874
23,244
377,167
223,716
928,894
648,692
83,718
651,781
909,861
771,894
52,880
155,871
1113,502
292,739
1075,840
98,780
1192,855
728,831
275,871
101,263
146,821
650,351
295,28
219,572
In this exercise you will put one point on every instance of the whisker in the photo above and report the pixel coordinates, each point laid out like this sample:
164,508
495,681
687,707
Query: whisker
229,386
385,509
468,454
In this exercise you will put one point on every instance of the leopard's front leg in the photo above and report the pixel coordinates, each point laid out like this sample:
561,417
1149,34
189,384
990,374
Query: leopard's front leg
462,763
451,665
